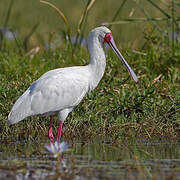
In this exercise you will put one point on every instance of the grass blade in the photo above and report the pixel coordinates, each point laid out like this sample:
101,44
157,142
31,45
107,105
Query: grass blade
61,15
81,21
148,16
173,27
160,9
130,20
88,7
26,39
6,21
118,11
8,13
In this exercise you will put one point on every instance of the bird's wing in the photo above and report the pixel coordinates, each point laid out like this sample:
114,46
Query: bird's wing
52,92
57,92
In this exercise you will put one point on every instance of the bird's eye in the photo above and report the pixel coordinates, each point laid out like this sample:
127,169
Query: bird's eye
107,37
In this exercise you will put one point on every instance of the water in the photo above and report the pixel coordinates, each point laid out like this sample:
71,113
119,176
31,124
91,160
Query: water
141,159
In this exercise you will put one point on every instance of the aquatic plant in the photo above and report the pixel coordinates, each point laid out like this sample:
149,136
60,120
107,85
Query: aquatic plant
56,149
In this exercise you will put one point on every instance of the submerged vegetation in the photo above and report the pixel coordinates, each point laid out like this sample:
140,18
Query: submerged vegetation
118,108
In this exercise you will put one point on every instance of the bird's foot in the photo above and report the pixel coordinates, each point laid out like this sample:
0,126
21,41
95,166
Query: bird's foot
50,135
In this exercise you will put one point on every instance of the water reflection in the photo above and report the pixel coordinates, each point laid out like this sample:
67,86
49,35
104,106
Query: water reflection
138,160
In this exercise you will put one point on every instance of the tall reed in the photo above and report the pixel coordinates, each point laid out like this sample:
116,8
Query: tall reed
6,23
172,19
81,21
68,31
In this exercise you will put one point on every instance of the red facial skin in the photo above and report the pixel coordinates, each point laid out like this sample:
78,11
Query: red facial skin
107,37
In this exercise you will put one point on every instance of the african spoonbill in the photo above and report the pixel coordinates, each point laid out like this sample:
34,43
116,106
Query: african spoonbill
58,91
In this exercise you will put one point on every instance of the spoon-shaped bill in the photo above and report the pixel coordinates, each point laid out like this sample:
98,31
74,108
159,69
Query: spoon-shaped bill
115,49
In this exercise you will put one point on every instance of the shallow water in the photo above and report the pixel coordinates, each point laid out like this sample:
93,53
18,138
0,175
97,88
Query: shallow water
141,159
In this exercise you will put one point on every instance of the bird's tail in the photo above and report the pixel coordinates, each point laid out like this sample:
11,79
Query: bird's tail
21,109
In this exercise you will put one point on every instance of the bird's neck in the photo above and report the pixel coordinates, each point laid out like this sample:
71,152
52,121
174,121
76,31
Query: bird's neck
97,60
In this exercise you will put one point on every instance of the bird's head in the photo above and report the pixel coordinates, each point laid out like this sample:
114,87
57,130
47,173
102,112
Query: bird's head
105,36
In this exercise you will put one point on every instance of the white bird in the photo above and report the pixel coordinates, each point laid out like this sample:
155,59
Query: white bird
58,91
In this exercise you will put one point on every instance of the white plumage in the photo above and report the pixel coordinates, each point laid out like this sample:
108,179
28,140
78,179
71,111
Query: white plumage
59,91
56,90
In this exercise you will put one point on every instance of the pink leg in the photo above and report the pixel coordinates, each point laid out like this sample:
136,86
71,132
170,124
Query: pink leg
50,134
59,131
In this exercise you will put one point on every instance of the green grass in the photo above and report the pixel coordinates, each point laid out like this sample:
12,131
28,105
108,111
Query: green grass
118,107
